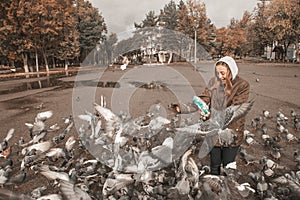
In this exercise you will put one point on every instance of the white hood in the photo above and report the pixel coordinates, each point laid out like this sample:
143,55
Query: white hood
232,65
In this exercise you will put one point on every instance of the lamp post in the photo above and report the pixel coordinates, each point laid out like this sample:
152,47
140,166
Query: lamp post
195,50
195,39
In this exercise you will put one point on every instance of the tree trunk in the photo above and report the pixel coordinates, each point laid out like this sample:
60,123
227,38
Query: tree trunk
53,63
66,67
170,59
25,64
297,50
46,61
37,61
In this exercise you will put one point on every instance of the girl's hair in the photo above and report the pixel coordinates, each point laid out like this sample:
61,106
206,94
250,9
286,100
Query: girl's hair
222,63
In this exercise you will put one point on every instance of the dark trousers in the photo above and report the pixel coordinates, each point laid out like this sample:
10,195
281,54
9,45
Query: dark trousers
221,156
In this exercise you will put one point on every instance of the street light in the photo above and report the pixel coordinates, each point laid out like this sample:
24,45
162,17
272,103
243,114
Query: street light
195,40
195,50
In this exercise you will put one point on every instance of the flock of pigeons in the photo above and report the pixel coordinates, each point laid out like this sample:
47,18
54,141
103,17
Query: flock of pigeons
150,157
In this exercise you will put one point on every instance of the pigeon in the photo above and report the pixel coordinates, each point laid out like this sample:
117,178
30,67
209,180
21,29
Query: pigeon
280,127
248,158
51,197
5,153
227,137
7,194
281,117
269,166
276,153
264,129
118,181
53,175
187,165
219,120
37,192
18,179
262,187
296,124
4,175
245,189
256,123
40,106
40,147
290,137
56,153
72,192
249,138
207,192
255,176
39,125
267,114
43,116
161,154
4,144
294,113
214,182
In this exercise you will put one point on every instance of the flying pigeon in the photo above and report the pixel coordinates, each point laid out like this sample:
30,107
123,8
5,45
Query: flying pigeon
72,192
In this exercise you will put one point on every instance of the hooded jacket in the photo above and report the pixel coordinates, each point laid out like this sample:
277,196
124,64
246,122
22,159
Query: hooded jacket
214,96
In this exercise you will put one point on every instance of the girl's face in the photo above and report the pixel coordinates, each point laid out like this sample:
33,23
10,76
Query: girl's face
223,73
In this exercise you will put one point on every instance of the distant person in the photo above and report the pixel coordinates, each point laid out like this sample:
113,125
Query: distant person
125,62
223,90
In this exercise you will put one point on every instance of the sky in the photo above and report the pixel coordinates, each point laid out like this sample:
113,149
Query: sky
120,15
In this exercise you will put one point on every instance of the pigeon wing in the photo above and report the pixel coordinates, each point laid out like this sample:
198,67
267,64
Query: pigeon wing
106,113
235,112
112,121
7,194
209,142
72,192
9,134
53,175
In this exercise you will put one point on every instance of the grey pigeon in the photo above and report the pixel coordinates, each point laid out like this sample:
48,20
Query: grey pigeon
17,179
248,158
7,194
262,187
4,144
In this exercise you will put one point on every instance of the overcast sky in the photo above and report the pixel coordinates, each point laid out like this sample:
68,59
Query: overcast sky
120,15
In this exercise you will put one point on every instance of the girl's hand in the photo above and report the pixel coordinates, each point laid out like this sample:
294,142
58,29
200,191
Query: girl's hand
203,115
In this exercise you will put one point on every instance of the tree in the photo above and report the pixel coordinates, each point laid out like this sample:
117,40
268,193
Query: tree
168,16
13,35
67,46
284,21
107,49
91,27
192,21
150,21
244,24
51,25
261,34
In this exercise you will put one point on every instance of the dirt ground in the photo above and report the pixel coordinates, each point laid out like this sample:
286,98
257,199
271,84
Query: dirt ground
274,87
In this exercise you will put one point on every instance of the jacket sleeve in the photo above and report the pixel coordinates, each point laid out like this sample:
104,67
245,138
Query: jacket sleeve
205,96
242,94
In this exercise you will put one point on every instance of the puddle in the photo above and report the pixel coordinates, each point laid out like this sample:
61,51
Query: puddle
61,84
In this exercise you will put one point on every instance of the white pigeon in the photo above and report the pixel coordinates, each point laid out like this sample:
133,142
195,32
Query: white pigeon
72,192
42,116
53,175
39,147
159,156
245,189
